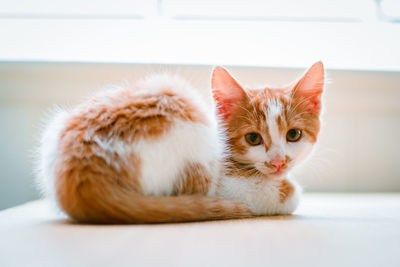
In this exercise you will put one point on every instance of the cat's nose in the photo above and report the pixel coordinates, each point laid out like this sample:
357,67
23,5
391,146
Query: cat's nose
278,163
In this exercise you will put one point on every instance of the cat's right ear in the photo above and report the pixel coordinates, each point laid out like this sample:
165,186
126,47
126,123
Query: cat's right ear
227,91
308,89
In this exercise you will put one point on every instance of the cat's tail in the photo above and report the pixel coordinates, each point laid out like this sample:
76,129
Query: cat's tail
89,205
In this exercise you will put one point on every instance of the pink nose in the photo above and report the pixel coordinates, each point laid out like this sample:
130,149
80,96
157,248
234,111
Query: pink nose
278,162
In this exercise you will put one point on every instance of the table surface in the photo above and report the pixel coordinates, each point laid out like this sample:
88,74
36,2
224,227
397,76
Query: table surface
326,230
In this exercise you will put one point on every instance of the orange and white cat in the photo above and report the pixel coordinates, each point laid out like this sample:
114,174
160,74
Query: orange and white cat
162,152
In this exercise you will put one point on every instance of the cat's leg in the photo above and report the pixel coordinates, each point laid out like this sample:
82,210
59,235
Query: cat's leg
288,196
195,179
263,197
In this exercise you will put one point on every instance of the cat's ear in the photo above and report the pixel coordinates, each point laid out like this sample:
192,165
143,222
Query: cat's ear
308,89
227,91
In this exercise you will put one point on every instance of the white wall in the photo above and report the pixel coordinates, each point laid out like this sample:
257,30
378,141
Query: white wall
357,150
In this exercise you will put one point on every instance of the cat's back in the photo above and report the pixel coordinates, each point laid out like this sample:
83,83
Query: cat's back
145,111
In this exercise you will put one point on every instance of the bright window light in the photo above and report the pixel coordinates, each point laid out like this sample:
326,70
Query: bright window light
357,34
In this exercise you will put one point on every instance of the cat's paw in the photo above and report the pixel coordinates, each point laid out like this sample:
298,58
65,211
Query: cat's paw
286,190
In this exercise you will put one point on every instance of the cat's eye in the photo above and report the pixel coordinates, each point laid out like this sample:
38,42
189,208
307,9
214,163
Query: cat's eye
253,139
293,135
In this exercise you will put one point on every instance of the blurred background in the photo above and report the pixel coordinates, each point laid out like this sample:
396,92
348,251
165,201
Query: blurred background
60,51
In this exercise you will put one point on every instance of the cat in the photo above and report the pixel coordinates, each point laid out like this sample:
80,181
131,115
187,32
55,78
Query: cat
161,152
269,131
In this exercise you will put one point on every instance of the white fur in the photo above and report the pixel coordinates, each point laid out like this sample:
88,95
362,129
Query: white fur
257,155
163,160
261,195
48,153
116,146
277,140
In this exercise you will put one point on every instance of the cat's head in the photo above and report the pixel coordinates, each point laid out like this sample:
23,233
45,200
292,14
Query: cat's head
270,129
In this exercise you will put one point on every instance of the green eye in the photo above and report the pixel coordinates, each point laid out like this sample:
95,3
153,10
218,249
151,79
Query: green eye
293,135
253,139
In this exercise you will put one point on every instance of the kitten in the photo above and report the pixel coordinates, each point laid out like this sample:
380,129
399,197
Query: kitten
269,131
156,152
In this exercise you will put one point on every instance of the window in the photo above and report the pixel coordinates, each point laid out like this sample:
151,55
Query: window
356,34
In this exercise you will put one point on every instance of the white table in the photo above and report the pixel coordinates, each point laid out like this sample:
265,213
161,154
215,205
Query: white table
327,230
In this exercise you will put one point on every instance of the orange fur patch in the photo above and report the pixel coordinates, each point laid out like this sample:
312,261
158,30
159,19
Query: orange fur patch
129,117
238,169
195,179
286,190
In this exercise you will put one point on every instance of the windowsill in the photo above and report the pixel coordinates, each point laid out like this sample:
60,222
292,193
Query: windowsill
353,45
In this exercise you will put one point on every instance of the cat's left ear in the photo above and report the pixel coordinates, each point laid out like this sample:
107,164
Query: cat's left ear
309,88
